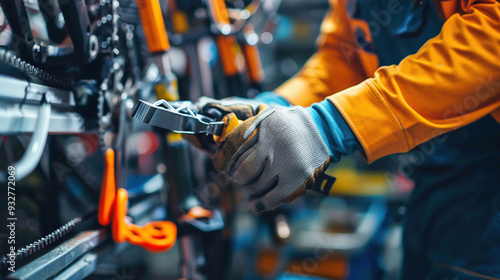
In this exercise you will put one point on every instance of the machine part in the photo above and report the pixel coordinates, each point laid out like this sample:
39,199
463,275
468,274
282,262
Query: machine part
35,148
79,27
17,17
43,242
8,57
52,55
77,255
23,40
61,256
181,119
93,47
65,115
87,263
53,19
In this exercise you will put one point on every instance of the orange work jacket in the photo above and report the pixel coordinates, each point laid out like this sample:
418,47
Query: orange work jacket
453,79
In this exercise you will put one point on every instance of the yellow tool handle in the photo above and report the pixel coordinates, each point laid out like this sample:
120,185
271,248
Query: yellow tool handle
153,25
231,122
218,10
226,45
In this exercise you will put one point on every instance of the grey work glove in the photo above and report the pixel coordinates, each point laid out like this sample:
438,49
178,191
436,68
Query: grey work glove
276,155
242,108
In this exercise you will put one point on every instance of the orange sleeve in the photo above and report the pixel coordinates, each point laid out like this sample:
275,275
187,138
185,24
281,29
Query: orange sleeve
333,68
453,80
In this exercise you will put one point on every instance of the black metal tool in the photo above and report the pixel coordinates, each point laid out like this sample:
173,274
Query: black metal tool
178,117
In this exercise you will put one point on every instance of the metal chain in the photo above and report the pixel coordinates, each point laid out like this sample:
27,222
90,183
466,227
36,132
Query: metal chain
10,58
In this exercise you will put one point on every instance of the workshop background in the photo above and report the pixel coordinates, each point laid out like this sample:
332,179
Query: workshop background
354,233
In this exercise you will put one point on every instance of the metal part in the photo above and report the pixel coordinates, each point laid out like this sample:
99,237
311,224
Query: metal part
33,153
86,264
37,52
20,103
17,17
43,242
61,256
78,257
180,119
17,120
79,27
9,57
93,46
52,55
54,20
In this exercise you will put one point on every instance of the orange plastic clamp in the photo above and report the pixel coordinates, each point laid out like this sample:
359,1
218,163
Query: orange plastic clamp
155,236
153,24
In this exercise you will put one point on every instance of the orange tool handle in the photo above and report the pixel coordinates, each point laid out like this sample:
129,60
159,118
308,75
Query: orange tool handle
226,46
108,189
231,122
218,10
252,61
153,25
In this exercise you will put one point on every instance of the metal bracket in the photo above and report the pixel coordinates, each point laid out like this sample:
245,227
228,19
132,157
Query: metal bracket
177,117
35,148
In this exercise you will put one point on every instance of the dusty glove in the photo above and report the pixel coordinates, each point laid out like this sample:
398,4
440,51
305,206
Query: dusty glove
242,108
276,155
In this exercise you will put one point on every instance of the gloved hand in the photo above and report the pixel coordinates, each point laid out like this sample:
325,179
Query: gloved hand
242,108
277,153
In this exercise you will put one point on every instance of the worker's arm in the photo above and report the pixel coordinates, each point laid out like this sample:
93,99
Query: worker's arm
453,80
333,68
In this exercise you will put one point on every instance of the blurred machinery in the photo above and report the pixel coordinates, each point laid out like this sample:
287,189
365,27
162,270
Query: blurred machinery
97,192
